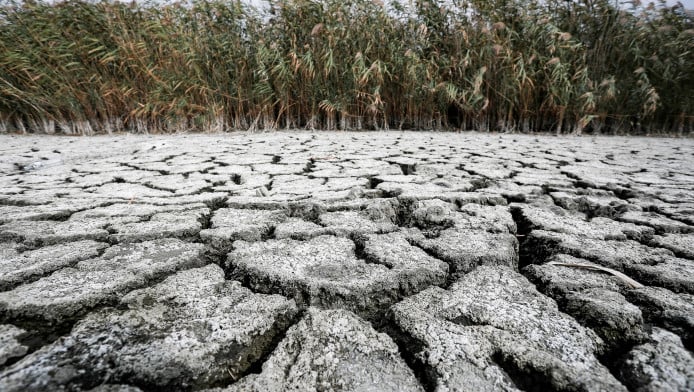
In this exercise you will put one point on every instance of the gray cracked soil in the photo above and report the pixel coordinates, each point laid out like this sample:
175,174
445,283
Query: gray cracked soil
346,261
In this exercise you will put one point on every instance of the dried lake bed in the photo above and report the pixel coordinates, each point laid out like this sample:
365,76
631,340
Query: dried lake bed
384,261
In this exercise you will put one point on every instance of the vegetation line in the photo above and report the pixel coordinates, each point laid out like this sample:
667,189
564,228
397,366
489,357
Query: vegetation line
81,67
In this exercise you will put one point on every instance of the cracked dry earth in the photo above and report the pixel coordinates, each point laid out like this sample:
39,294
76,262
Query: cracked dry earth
346,261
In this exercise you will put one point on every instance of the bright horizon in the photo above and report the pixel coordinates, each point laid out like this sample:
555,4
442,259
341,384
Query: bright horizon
688,4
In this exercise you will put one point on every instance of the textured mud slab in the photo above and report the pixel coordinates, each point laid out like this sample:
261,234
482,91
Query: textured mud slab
493,322
346,261
332,349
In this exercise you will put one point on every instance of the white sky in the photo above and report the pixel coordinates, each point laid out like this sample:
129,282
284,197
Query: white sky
689,4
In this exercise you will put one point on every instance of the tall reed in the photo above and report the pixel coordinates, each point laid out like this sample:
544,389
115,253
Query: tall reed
493,65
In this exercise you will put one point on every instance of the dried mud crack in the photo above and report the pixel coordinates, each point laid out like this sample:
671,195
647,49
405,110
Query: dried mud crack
346,261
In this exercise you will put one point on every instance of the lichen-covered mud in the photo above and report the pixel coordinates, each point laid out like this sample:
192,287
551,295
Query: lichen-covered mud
346,261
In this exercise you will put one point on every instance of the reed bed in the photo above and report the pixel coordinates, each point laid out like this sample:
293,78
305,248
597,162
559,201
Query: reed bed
79,67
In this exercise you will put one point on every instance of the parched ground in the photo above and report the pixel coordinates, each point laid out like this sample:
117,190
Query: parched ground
346,261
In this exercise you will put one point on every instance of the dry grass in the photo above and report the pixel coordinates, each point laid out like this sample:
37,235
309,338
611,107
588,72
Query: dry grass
501,65
592,267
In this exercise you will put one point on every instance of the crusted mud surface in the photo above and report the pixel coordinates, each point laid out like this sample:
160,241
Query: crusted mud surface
346,261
